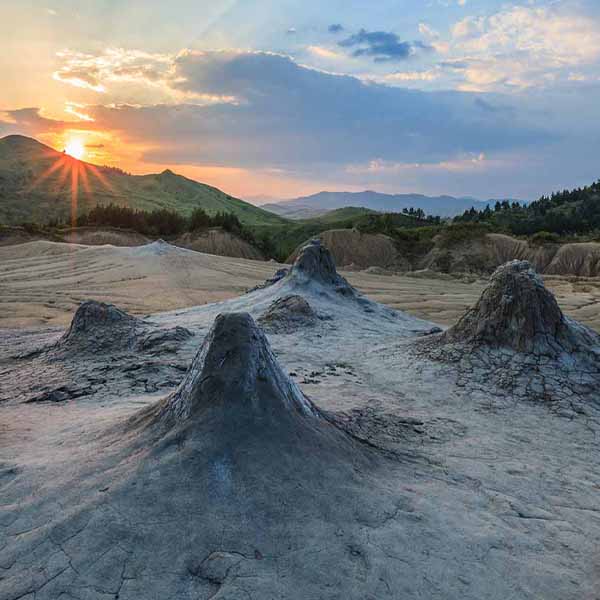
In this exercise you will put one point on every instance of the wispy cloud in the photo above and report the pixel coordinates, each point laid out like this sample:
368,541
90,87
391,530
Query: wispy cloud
523,46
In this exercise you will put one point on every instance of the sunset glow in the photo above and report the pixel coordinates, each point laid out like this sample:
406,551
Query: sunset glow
75,148
247,104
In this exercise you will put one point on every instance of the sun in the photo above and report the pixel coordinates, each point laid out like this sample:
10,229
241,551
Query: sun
75,148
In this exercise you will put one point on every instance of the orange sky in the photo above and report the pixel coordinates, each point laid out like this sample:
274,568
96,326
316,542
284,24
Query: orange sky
271,98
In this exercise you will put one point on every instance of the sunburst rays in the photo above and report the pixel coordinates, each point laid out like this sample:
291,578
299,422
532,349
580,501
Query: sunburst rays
66,167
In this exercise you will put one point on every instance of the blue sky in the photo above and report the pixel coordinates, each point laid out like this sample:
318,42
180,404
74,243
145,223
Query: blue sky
467,97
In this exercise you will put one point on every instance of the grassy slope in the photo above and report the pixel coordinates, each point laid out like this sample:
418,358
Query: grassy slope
25,195
340,215
286,238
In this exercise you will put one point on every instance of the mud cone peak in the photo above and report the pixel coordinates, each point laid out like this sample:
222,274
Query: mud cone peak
517,311
236,373
92,313
97,326
315,263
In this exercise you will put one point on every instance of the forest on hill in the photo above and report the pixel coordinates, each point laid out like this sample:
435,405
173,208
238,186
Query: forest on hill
565,213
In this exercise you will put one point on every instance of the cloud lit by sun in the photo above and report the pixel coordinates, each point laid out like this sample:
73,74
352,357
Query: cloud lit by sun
75,148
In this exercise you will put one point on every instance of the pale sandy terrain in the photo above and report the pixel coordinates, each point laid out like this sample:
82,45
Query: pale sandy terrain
41,283
344,452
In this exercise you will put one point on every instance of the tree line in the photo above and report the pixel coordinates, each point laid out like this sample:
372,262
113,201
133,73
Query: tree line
569,212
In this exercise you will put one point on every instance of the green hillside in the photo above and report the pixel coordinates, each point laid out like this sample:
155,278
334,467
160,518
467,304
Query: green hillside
341,214
35,185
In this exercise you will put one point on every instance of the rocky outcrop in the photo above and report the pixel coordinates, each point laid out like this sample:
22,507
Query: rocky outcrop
476,254
219,242
288,314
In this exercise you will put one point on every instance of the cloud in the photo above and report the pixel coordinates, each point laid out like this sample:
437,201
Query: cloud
115,70
325,53
524,46
96,71
288,118
29,121
460,164
335,28
405,76
381,45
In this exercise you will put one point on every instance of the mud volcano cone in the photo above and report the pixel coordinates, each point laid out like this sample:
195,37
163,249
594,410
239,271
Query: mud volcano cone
315,264
236,377
517,311
97,325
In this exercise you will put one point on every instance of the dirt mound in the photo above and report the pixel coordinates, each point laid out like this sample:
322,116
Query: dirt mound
219,242
211,493
582,260
362,250
487,253
288,314
94,236
10,236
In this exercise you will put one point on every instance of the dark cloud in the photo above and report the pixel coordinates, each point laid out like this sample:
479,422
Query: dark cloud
300,120
291,117
383,46
29,121
335,28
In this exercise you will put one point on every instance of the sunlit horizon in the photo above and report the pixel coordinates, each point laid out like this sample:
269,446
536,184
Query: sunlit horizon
75,148
438,98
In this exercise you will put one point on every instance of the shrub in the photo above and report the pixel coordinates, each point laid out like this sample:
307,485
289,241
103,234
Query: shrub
544,237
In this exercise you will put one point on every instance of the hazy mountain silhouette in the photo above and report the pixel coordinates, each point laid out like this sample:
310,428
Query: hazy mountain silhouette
311,206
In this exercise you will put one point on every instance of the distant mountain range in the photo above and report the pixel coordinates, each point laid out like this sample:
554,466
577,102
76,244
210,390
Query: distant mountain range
307,207
36,185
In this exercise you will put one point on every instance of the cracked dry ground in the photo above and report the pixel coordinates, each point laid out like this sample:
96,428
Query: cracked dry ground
351,458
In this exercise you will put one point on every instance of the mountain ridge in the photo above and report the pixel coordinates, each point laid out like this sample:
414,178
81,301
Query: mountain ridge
36,183
314,205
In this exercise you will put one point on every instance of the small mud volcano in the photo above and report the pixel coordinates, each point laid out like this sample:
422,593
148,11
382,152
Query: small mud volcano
315,264
517,311
314,277
235,372
104,353
288,314
234,486
517,337
97,326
